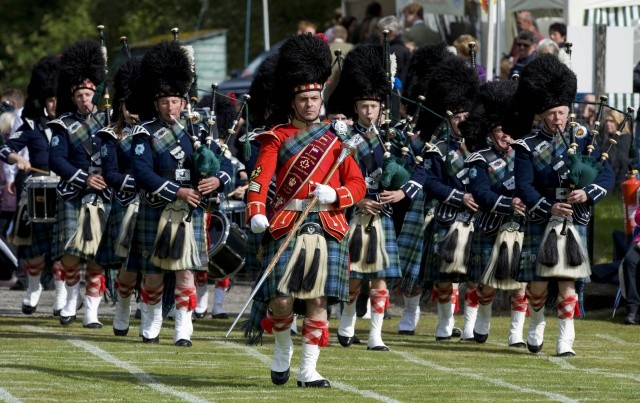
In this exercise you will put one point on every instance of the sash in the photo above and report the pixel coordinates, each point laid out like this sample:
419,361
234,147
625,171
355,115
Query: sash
168,139
301,170
292,145
80,135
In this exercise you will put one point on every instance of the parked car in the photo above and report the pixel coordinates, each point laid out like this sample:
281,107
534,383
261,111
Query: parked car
240,85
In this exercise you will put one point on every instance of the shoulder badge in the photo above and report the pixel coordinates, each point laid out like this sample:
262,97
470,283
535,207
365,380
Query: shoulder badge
139,149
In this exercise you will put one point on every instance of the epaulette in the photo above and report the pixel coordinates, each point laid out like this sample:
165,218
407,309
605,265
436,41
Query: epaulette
430,148
109,131
142,129
521,143
477,156
60,120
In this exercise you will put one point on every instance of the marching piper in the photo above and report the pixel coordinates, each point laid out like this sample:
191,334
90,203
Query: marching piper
558,181
497,241
34,239
373,251
84,197
301,151
176,167
118,174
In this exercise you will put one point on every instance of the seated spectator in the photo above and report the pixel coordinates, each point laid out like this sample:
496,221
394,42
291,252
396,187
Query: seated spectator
306,27
618,152
558,33
464,52
547,46
525,22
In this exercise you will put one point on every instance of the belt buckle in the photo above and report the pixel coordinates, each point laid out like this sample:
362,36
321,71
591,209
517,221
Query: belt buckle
562,193
183,175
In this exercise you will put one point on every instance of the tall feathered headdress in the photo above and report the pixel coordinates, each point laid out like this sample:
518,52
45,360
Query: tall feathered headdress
544,83
125,82
261,102
304,64
165,70
82,66
363,77
452,87
490,109
43,85
421,65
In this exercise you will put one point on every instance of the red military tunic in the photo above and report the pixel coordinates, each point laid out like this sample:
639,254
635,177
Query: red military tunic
347,182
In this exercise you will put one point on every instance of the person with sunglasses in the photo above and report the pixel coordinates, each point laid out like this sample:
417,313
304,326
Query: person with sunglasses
526,51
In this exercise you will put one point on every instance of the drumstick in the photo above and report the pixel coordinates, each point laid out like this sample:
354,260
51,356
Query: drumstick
38,171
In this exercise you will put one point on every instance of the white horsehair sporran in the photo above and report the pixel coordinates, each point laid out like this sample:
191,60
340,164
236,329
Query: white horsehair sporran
502,268
562,255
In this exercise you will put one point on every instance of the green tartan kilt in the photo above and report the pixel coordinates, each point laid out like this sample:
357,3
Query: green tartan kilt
411,244
481,249
145,236
337,285
106,255
432,259
391,246
67,221
531,248
41,241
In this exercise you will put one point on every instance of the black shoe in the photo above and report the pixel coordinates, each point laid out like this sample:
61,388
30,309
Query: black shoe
155,340
518,345
345,341
138,314
18,286
629,320
378,348
28,310
355,340
480,338
534,349
220,316
94,325
118,332
67,320
183,343
280,378
197,315
407,332
56,312
567,354
322,383
456,332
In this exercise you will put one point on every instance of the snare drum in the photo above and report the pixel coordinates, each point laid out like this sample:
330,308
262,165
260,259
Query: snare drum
228,244
41,198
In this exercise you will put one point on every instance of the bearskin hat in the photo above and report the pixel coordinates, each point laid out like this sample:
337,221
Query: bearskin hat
43,85
489,110
82,65
260,103
421,65
543,84
452,87
304,65
165,70
363,77
125,81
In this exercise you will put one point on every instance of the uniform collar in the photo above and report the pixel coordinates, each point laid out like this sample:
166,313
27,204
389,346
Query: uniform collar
299,124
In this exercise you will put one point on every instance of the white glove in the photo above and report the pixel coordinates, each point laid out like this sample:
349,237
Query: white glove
259,223
326,194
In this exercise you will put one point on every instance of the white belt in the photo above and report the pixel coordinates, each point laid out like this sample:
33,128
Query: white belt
301,204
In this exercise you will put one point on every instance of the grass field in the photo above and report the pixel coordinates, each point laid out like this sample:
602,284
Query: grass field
609,215
41,361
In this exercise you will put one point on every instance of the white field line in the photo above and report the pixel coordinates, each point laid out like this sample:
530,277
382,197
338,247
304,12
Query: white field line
8,397
334,384
610,338
552,396
144,378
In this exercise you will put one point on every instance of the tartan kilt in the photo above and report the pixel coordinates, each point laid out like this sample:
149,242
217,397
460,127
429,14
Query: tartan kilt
251,263
67,221
391,247
411,244
106,255
481,249
531,247
42,237
145,237
433,261
337,285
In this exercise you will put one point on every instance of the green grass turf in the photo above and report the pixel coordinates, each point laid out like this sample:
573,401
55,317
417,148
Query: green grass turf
42,361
